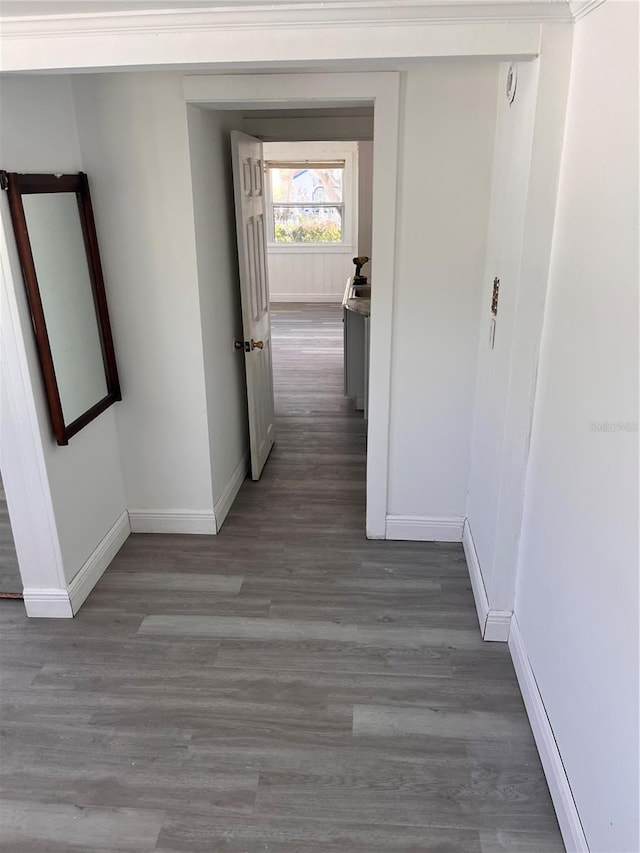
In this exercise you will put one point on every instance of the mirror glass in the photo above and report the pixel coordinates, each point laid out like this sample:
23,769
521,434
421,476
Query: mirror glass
62,269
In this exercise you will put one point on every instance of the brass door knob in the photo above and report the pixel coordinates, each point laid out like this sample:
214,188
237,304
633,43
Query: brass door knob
257,344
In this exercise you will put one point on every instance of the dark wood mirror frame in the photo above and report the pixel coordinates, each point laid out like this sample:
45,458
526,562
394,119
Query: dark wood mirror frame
18,185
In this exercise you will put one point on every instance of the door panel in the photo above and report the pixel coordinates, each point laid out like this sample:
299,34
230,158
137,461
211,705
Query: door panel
254,290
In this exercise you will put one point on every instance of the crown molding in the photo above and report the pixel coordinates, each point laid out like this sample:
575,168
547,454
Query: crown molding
580,8
287,13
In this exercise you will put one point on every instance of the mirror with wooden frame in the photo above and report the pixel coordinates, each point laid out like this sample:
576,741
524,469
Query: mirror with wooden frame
58,249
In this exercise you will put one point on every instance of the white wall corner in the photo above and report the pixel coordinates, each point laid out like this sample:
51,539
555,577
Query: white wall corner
580,8
47,603
494,624
416,528
224,503
98,561
172,521
554,770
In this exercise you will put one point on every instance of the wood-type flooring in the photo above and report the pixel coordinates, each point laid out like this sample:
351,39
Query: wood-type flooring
285,686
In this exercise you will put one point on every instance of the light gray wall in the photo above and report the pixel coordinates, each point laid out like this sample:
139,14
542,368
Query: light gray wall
489,443
365,199
38,133
338,128
446,155
133,132
220,313
577,593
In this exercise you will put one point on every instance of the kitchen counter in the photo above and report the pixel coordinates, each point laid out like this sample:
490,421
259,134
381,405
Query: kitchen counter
357,298
359,304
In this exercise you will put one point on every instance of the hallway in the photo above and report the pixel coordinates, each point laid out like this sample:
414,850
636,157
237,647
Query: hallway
286,686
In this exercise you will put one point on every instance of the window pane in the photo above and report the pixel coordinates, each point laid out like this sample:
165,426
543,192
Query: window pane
303,184
307,224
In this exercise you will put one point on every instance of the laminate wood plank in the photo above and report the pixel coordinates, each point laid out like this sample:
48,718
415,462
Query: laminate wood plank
171,581
387,721
286,834
295,630
114,829
505,841
141,785
334,657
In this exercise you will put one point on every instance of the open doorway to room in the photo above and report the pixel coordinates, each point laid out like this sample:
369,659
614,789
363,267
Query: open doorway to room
305,205
336,107
318,223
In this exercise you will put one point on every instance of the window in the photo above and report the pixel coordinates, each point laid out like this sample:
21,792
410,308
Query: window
307,202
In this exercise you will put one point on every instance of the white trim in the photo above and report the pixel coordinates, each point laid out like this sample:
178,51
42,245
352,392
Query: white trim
172,521
100,558
494,624
48,603
580,8
247,14
223,504
383,88
310,248
305,297
416,528
22,456
259,37
554,770
497,626
475,576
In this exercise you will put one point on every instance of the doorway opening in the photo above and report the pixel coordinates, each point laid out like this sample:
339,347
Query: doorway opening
240,101
297,210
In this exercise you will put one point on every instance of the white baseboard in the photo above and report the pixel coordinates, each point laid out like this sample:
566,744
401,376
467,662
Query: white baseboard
306,297
94,567
223,505
416,528
47,603
559,787
494,624
172,521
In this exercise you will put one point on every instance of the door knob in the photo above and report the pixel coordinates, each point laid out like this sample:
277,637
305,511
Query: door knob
257,344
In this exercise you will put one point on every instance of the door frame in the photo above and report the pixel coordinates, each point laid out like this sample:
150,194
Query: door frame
281,91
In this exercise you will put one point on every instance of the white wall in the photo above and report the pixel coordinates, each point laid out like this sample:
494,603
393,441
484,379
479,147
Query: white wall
302,128
303,274
577,594
365,201
446,150
527,158
221,318
512,162
85,488
134,138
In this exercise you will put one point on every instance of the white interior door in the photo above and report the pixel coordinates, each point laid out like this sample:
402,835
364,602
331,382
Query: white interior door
250,205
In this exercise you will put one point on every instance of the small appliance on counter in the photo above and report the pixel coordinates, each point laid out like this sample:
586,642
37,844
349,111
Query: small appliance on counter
360,261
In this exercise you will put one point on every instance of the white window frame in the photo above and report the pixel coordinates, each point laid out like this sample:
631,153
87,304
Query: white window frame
349,206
